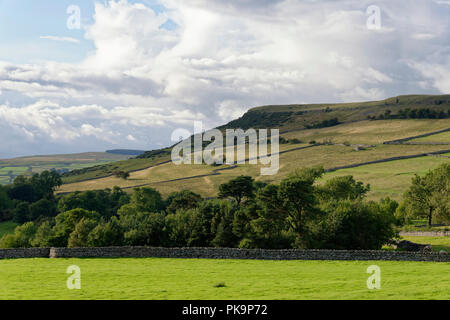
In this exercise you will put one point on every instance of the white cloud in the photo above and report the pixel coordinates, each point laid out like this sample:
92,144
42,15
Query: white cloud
142,81
423,36
131,138
62,39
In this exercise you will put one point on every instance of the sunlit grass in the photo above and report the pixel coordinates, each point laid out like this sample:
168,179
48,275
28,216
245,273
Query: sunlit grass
244,279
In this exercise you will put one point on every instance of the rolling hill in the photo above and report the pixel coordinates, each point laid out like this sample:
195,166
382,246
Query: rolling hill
350,138
10,168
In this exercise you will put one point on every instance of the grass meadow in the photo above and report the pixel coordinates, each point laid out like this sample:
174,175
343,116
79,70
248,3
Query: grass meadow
390,178
167,279
440,137
438,243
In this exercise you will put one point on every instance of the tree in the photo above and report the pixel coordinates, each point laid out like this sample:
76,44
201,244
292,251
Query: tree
42,208
182,200
79,236
21,238
22,190
45,183
297,194
354,225
267,226
342,188
122,174
21,213
66,222
6,204
44,234
143,229
105,202
238,188
222,226
106,234
429,195
146,200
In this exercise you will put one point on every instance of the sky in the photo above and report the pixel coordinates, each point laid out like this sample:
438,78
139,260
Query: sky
83,75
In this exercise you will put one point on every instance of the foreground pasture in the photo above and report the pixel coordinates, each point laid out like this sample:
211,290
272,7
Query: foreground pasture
162,279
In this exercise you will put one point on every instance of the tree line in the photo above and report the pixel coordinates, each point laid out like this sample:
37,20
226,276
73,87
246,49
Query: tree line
296,213
408,113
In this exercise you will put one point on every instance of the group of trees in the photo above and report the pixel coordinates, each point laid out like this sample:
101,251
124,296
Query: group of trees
324,124
296,213
408,113
29,198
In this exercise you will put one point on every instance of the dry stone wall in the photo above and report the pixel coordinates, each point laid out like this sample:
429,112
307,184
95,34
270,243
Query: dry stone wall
222,253
24,253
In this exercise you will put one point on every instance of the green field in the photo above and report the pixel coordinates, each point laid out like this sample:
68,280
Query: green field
167,279
390,178
440,137
438,243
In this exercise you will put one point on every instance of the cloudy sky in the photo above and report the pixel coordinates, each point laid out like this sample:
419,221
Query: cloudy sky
126,74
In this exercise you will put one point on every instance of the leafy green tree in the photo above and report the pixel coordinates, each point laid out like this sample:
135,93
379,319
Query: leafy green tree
66,222
269,228
428,196
21,238
80,235
342,188
354,225
106,234
42,208
21,212
201,233
118,198
143,229
178,227
45,183
22,190
122,174
45,232
222,225
105,202
147,200
182,200
239,188
297,194
6,204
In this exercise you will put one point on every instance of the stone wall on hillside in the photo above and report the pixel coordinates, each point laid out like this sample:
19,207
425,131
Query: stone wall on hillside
426,233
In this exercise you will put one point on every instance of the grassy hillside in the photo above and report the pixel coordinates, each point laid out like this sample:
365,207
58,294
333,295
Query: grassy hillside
294,117
386,179
192,279
355,140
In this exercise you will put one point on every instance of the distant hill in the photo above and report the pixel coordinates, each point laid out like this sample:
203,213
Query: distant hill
63,163
304,116
336,136
126,152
